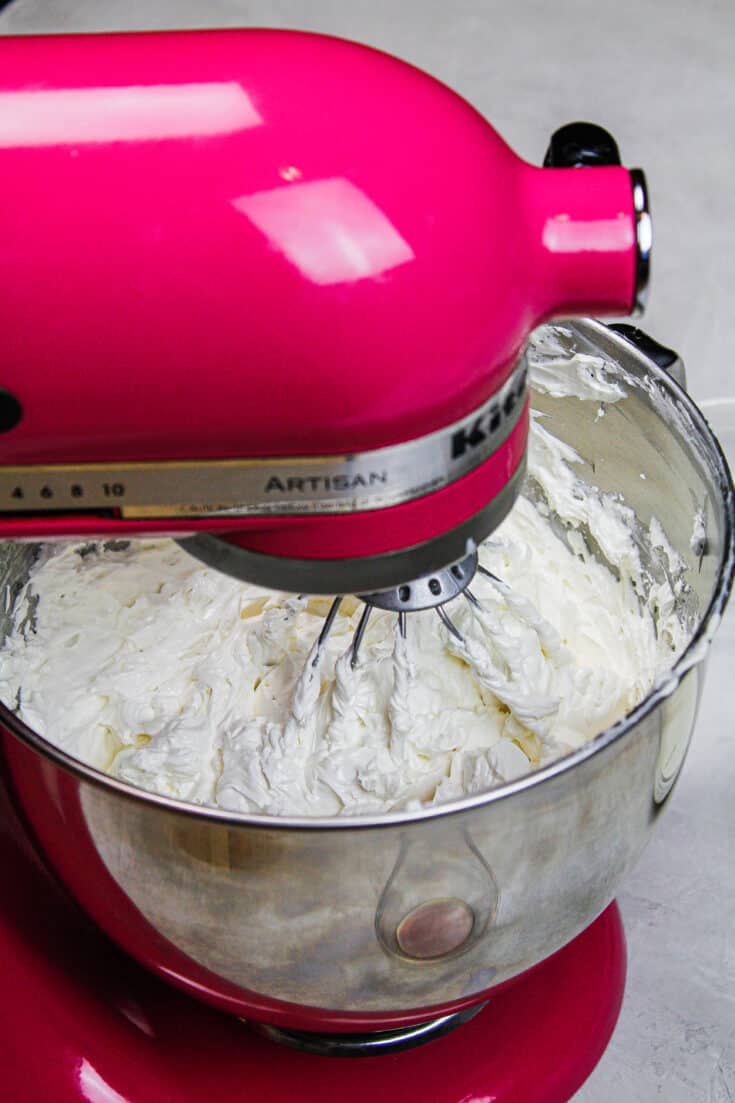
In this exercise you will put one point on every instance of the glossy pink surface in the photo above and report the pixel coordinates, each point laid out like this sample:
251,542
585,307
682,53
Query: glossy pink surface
230,243
82,1023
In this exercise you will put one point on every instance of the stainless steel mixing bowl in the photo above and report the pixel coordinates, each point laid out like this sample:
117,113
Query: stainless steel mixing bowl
374,922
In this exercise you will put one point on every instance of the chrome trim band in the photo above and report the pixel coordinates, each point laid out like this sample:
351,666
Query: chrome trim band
273,486
643,238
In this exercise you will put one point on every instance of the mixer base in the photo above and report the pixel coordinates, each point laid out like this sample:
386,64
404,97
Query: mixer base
80,1022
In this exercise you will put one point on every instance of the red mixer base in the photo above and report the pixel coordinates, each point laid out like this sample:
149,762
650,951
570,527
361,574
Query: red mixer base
80,1021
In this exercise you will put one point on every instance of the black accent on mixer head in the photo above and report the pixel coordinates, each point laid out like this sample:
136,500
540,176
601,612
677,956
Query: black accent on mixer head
11,411
581,145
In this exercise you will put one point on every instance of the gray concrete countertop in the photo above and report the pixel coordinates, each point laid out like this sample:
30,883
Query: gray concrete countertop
660,74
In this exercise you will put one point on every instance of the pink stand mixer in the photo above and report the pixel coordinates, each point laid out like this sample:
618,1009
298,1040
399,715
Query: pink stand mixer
280,290
269,293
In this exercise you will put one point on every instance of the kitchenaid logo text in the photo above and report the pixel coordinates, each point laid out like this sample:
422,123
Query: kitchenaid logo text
311,484
484,427
476,433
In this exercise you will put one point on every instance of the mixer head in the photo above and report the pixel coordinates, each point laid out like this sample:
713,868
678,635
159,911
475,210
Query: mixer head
261,312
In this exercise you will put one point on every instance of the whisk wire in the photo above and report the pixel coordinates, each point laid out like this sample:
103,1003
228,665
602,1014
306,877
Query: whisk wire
360,632
472,599
326,628
449,624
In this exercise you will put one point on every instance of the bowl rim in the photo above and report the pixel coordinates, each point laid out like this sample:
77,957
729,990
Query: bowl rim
665,686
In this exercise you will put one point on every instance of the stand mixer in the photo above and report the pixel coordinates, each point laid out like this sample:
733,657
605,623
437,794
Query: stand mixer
269,293
308,273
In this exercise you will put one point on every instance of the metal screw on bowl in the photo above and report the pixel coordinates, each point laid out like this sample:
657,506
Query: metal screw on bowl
435,929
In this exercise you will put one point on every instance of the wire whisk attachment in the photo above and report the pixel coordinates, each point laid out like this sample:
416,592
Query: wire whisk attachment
430,591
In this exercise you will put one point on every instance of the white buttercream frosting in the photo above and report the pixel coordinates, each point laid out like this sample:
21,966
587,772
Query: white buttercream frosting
146,664
142,662
562,374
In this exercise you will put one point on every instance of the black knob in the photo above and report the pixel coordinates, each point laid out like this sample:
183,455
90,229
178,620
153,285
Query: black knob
581,144
11,411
